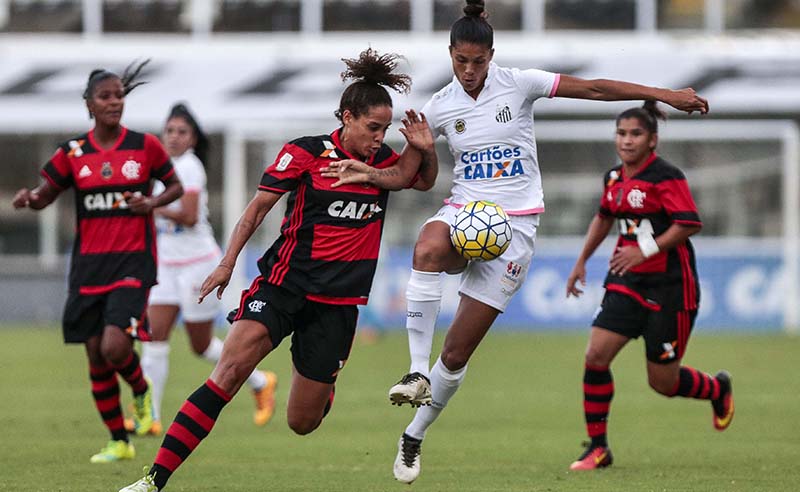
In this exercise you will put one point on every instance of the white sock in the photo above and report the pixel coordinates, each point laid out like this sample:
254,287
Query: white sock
444,384
256,380
213,351
424,296
155,365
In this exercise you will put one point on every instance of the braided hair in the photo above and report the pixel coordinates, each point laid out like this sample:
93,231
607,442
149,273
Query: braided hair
648,115
128,79
473,27
371,72
180,110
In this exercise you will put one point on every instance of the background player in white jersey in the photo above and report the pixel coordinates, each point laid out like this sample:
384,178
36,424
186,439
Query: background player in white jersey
486,115
187,252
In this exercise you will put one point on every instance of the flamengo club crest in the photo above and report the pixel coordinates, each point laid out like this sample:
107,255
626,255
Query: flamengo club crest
636,198
131,169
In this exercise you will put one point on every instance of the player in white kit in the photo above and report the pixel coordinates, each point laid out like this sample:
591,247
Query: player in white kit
486,115
187,252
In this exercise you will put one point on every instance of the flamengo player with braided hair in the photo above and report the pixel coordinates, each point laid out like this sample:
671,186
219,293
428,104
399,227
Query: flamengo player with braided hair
317,271
652,288
114,256
486,116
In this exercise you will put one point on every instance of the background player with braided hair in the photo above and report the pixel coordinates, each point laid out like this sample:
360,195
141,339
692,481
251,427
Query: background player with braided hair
187,251
652,287
314,275
113,258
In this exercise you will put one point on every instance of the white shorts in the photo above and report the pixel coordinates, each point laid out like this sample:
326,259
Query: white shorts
495,282
180,286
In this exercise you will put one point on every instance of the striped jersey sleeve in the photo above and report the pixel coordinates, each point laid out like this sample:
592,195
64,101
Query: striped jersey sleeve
676,199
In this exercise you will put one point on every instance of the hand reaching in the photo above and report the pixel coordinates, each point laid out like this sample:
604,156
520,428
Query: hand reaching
347,171
687,100
417,132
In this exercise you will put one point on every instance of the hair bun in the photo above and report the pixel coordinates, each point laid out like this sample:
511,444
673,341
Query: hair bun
474,8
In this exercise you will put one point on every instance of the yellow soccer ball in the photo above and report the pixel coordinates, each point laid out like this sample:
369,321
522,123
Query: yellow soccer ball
481,231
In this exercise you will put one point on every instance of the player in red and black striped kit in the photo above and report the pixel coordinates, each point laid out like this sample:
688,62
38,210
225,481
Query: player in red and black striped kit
652,289
111,169
317,271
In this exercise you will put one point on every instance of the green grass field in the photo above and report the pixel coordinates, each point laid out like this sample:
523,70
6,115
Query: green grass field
515,425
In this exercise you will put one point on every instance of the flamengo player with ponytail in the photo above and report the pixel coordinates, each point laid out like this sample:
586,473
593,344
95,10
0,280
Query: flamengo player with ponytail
652,288
113,265
314,275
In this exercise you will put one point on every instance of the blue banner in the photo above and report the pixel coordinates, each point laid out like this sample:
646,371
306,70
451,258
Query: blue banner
742,289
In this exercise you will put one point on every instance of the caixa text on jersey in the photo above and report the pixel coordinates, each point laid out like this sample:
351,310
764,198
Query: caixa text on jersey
496,153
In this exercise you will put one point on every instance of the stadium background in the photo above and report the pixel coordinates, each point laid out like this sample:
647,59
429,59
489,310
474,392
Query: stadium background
260,72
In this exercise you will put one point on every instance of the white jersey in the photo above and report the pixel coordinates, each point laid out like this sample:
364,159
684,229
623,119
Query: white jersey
180,244
492,138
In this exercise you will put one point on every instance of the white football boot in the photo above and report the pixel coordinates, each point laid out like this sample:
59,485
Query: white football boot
413,388
407,462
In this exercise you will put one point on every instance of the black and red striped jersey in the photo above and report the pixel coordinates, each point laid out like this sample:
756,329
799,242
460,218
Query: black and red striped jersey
113,247
328,247
649,202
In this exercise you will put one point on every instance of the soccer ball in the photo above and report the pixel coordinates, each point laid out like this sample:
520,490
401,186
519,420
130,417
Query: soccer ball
481,231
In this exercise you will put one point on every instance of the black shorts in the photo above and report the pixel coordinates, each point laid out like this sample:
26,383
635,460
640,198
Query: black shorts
665,331
322,334
85,316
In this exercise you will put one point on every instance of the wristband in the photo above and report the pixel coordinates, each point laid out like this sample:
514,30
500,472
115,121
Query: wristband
648,245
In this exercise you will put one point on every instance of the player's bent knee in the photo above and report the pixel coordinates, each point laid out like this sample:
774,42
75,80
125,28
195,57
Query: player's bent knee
662,386
596,358
430,256
302,425
453,360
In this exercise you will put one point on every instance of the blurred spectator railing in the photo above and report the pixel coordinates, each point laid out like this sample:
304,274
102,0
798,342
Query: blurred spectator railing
205,17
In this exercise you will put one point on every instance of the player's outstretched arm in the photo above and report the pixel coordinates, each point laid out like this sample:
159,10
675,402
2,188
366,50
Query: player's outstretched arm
685,100
418,158
247,224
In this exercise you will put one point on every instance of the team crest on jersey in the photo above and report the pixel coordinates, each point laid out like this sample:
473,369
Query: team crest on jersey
636,198
106,172
330,150
131,169
461,126
75,149
503,114
256,306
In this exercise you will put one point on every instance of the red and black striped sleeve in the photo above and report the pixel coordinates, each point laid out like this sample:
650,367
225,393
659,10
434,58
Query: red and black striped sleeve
285,173
160,163
58,170
676,199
